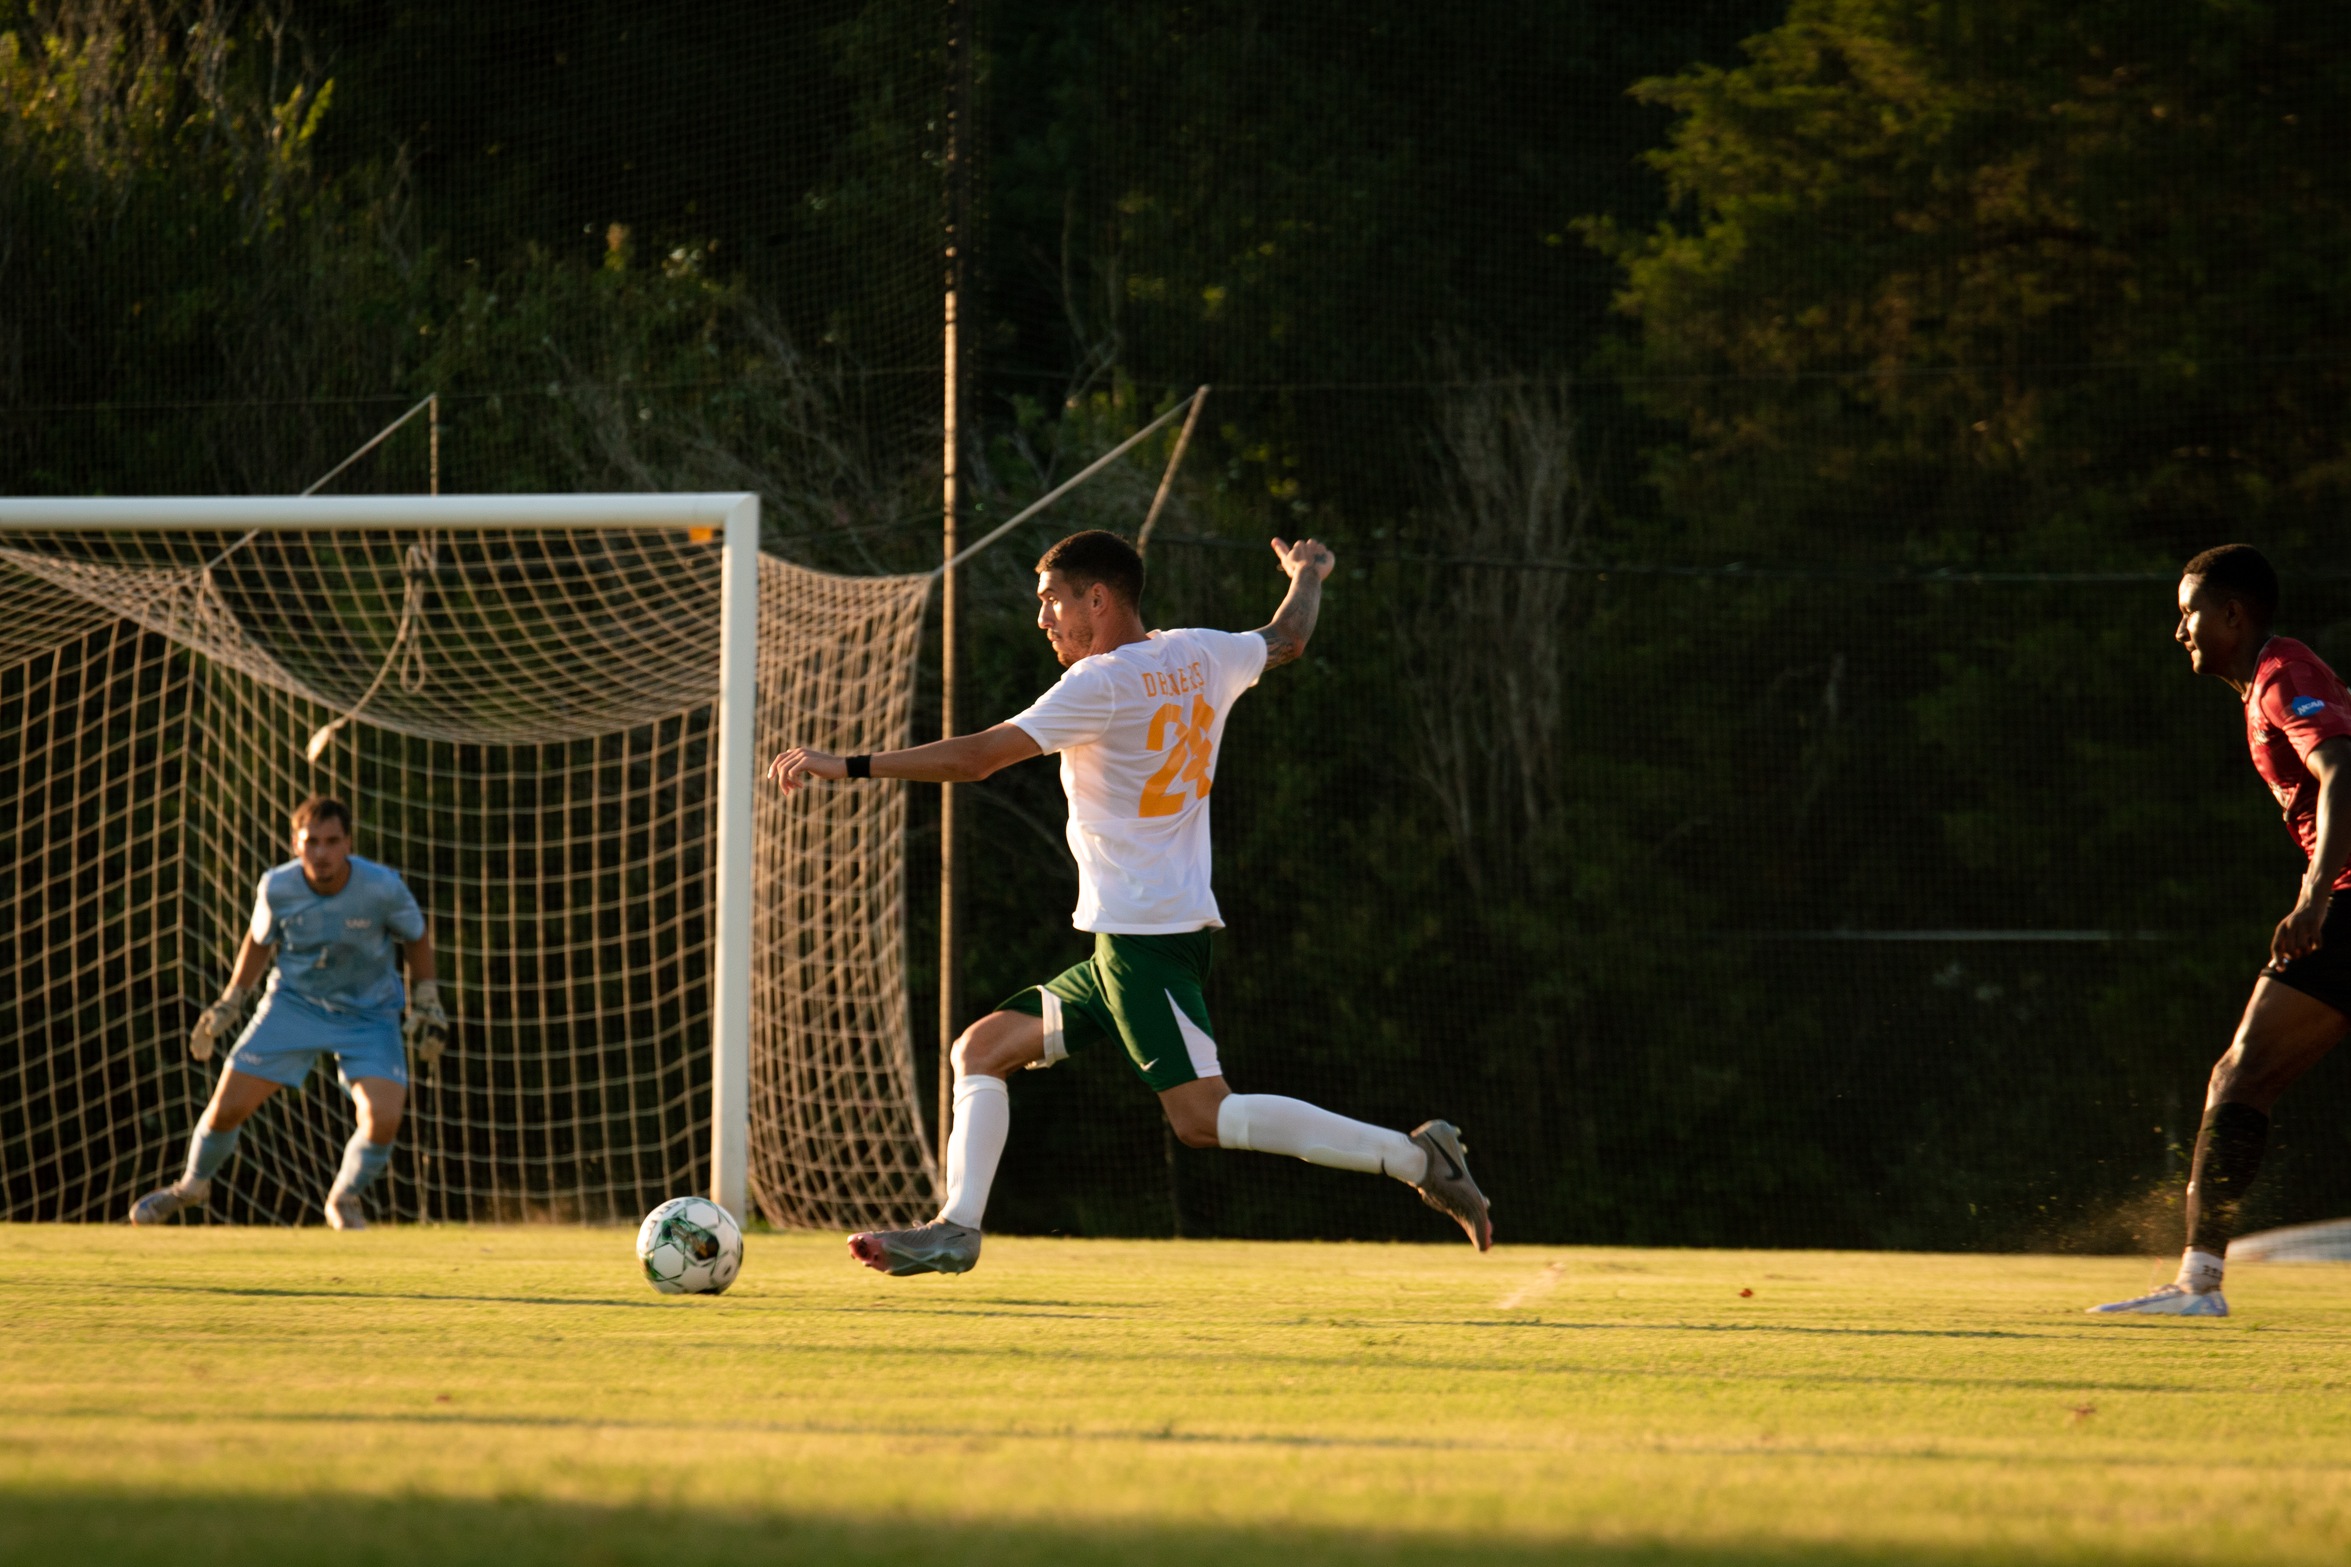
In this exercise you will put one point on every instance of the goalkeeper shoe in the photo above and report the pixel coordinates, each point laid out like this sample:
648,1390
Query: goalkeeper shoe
158,1206
1446,1185
2172,1300
940,1246
343,1211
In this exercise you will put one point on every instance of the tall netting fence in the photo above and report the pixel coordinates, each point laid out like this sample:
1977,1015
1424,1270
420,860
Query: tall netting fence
1742,775
523,722
1722,908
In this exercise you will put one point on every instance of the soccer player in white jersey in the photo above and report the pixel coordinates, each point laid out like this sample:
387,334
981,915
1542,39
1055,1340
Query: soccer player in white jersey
332,921
1138,717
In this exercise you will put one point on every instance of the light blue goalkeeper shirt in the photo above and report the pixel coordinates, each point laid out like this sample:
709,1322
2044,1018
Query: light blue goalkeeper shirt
336,951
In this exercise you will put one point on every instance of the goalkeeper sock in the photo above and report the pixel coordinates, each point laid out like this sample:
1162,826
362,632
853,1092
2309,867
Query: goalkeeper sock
983,1119
363,1161
2228,1156
1268,1123
208,1150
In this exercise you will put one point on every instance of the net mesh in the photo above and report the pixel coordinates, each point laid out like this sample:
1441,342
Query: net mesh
534,748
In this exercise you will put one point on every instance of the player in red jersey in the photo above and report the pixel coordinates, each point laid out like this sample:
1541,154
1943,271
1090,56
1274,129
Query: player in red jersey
2298,725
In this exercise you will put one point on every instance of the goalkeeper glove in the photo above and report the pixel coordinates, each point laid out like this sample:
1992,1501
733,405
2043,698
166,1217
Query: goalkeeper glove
219,1018
426,1027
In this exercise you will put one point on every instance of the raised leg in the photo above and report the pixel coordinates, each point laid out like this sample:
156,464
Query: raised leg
1206,1113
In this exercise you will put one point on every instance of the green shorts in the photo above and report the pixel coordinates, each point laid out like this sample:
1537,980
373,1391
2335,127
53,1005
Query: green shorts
1144,992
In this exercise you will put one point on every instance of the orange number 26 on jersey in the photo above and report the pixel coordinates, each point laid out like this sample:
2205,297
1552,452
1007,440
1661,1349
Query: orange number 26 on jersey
1189,751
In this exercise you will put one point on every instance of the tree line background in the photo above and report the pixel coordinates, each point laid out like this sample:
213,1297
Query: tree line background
1743,777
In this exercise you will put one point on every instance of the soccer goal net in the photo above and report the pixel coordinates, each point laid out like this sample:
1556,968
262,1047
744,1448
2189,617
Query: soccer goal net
548,714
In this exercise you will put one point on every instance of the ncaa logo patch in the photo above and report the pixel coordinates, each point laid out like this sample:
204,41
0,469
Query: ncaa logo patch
2308,706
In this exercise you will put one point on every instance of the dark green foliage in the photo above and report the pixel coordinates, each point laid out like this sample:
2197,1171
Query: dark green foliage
2005,280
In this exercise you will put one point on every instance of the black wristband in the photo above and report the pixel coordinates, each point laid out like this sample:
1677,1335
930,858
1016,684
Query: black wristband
860,766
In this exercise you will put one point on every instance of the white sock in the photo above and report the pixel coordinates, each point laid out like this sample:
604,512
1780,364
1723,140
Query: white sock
983,1119
2200,1270
1268,1123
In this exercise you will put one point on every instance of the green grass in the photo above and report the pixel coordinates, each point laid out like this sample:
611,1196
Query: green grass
516,1396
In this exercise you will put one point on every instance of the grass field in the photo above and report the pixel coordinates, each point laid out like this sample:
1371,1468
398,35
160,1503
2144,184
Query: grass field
517,1396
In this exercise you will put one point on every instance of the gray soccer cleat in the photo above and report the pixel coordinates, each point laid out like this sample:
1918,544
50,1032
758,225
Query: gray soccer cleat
343,1211
161,1204
1446,1185
2172,1300
937,1247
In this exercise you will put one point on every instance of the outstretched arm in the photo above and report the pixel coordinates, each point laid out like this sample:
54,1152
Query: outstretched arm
1307,562
964,759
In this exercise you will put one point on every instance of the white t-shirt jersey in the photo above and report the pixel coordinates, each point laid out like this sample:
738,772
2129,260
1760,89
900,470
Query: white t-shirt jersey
1138,729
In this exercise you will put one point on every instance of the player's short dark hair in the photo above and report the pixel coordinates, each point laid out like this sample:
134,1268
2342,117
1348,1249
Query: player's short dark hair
1084,559
2243,573
320,808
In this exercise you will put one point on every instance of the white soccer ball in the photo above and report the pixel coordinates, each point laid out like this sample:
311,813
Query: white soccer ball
690,1246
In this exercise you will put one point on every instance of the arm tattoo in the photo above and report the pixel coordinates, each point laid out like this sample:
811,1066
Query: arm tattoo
1285,636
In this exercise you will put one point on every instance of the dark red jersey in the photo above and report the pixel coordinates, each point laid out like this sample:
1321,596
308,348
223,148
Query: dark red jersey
2296,702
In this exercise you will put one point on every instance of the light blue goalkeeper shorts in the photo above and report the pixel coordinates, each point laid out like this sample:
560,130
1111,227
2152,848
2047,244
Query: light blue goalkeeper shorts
288,1035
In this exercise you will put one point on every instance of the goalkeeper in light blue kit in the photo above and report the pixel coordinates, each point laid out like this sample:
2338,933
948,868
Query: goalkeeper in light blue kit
333,922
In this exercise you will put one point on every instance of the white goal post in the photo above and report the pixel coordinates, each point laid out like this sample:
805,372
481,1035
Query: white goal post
728,927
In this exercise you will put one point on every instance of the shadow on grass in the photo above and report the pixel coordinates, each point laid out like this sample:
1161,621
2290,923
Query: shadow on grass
311,1292
108,1529
1927,1452
794,1304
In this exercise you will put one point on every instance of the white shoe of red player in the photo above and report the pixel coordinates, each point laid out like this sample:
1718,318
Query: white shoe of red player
2173,1300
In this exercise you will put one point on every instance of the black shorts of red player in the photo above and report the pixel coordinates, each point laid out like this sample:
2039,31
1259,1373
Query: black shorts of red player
2325,974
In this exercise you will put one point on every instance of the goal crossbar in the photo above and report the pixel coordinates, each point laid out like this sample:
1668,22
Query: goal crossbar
733,521
391,512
